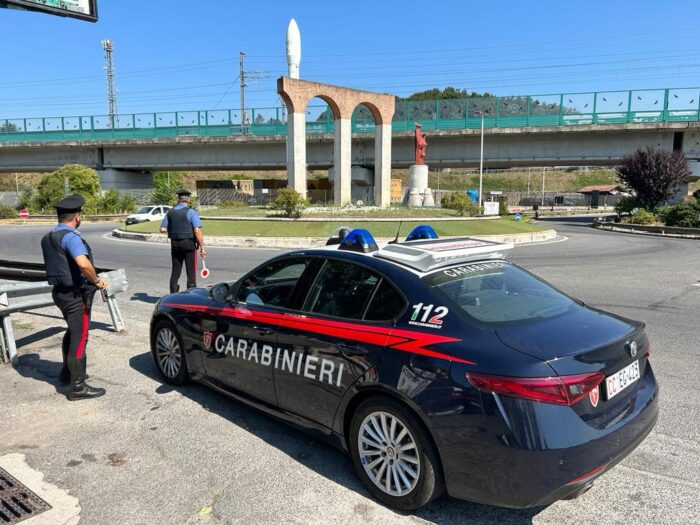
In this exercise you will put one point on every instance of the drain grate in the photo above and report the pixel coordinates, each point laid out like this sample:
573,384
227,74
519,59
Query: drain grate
17,502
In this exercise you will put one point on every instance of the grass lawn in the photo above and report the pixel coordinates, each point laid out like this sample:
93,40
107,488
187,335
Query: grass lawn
264,228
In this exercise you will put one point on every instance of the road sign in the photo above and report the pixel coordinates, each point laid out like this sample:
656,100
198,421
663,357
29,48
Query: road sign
23,213
82,9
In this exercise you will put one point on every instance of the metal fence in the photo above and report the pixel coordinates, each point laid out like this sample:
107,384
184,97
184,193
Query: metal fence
563,109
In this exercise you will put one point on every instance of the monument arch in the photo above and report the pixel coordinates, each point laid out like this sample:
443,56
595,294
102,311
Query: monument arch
341,101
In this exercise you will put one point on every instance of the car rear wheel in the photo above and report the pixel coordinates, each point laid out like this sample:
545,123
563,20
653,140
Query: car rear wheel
169,353
393,455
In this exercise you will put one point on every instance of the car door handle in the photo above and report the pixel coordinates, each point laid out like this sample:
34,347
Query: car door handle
349,350
263,330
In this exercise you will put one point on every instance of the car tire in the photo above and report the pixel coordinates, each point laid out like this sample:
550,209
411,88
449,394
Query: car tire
415,477
168,351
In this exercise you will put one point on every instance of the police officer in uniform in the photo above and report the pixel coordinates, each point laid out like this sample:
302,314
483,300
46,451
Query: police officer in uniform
70,269
184,229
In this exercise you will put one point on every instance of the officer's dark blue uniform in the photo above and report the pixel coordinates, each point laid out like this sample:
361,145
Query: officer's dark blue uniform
72,292
180,223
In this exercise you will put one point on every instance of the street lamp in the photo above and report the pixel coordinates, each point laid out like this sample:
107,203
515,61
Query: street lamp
481,156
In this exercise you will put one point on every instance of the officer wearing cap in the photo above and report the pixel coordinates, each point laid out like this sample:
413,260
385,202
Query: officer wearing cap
184,228
70,269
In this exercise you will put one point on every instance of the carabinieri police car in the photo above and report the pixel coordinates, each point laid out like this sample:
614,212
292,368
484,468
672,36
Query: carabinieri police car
437,364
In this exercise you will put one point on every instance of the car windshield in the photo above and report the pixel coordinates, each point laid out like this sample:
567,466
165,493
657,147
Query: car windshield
498,292
145,209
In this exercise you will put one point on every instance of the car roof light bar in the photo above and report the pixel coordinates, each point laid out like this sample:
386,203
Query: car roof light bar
430,254
422,232
359,240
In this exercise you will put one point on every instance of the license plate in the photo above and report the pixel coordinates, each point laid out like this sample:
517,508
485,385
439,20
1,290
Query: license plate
617,382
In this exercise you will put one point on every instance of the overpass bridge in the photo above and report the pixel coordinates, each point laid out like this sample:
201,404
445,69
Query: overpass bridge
540,130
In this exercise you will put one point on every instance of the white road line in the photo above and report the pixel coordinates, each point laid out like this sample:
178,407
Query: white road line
662,477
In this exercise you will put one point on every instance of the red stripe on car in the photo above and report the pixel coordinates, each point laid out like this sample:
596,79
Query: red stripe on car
403,340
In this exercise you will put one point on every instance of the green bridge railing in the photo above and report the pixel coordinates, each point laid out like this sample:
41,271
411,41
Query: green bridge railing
568,109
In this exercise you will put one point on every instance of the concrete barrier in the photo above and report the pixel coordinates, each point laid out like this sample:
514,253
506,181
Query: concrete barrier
290,243
648,229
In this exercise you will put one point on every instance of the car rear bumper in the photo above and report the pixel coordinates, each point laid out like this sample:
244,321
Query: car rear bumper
541,456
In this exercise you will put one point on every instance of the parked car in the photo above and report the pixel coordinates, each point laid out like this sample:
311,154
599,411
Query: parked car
435,363
147,214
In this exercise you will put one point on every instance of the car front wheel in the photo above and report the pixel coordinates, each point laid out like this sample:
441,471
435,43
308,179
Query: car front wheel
169,353
393,455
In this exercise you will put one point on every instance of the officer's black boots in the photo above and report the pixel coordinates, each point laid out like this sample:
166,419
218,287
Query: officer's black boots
84,391
79,388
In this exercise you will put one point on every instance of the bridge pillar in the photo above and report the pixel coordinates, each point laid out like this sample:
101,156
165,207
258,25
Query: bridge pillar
296,152
382,165
124,180
342,166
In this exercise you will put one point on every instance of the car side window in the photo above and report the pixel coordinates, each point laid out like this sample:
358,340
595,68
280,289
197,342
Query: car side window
342,289
272,283
386,303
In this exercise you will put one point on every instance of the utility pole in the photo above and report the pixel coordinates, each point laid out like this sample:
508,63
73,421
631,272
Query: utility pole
109,69
543,170
241,76
529,172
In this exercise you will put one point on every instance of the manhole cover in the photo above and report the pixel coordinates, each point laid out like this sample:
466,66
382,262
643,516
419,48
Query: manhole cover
17,502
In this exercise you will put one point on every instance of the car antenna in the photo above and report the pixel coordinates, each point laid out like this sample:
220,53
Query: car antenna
396,240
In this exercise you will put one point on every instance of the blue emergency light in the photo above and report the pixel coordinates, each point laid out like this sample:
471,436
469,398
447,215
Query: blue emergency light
422,232
359,240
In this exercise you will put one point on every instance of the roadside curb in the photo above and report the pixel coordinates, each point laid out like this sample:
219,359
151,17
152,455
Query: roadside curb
313,242
658,231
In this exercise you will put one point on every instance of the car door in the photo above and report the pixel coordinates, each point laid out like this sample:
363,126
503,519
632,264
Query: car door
242,332
338,334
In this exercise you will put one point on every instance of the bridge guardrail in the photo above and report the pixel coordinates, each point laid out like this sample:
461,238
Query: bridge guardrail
24,296
562,109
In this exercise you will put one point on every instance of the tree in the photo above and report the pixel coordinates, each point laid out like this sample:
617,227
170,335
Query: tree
8,127
259,119
83,180
654,175
165,184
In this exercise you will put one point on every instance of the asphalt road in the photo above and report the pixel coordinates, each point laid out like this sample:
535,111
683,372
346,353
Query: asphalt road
150,453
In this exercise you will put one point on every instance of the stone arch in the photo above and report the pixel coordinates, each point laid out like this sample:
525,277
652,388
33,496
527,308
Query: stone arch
296,95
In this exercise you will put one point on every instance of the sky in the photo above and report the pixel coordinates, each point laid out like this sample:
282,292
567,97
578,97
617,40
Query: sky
184,55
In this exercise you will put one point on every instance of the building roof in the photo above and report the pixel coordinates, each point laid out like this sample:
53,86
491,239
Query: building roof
604,188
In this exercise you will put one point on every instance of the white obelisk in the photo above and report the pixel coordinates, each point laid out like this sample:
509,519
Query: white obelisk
293,48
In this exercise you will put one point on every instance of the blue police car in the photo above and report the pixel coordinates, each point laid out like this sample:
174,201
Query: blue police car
435,363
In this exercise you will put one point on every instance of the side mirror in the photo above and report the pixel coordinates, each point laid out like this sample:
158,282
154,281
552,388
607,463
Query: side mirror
220,292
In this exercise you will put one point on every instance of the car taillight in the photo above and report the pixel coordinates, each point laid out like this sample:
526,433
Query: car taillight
561,390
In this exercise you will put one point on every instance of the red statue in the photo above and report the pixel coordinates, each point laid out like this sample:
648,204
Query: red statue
420,144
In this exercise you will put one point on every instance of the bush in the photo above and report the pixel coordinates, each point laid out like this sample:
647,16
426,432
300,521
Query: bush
696,194
8,212
626,205
643,217
654,175
27,198
233,204
462,204
503,207
127,203
289,201
683,215
114,202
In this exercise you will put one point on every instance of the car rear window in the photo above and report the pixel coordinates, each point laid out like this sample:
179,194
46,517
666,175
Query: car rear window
498,292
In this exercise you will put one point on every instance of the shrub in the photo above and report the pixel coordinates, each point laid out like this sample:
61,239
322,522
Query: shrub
683,215
643,217
503,207
165,186
653,174
696,194
7,212
626,205
460,203
289,201
233,204
127,203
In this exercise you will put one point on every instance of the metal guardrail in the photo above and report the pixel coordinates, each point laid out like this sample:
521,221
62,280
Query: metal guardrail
24,296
